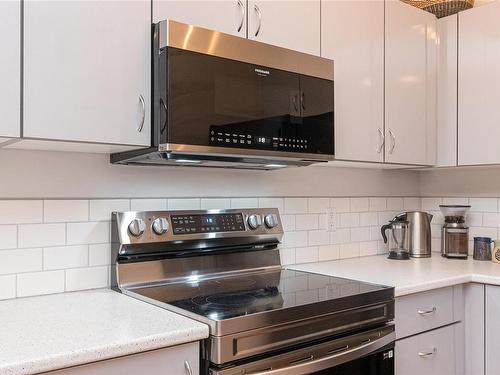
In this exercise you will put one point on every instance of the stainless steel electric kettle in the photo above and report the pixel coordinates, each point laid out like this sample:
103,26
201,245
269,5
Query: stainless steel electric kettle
419,232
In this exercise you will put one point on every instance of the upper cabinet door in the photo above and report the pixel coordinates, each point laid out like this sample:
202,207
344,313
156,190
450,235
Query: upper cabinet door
87,71
227,16
10,68
479,85
289,24
447,92
410,71
358,51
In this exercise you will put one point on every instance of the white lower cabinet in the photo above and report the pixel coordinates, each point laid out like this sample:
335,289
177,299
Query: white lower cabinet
428,353
492,330
177,360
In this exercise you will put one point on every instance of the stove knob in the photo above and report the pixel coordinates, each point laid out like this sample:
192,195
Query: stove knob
271,220
160,225
136,227
254,221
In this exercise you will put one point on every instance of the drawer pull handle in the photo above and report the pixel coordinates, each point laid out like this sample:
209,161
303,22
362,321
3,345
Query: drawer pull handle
187,366
427,312
427,354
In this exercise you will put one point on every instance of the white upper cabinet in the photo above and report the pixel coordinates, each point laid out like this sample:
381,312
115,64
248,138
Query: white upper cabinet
410,95
10,68
87,71
479,85
447,91
358,51
227,16
289,24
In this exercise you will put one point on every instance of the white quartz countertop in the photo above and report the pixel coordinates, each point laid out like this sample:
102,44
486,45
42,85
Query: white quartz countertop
51,332
409,276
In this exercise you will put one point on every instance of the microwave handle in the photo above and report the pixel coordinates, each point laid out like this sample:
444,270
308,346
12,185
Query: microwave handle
312,366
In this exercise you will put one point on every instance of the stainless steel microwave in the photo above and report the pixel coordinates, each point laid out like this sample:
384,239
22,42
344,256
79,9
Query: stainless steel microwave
225,101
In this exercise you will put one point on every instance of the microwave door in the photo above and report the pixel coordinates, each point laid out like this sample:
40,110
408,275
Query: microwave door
219,102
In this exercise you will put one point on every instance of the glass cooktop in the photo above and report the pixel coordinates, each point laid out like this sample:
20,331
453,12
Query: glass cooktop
235,296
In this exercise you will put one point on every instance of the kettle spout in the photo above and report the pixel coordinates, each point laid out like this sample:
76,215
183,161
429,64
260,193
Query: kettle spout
430,216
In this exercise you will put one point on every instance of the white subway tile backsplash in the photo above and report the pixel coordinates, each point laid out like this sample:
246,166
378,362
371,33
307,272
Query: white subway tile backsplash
306,254
20,260
411,204
306,222
368,248
244,202
100,254
101,209
148,204
55,245
360,234
328,252
288,222
319,237
490,219
482,232
340,236
349,250
295,239
272,203
8,237
378,204
359,204
38,283
88,233
368,218
287,256
62,211
318,205
341,204
55,258
7,286
431,204
184,204
87,278
21,211
395,204
40,235
455,200
484,204
295,206
348,220
215,203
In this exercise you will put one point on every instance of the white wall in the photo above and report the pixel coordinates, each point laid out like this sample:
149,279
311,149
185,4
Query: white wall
43,174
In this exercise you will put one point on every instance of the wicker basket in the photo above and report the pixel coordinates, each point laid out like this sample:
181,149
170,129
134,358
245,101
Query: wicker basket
441,8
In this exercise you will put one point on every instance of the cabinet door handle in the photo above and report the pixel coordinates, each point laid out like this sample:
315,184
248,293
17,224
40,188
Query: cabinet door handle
242,10
259,16
393,141
382,141
427,354
143,116
188,368
303,101
427,312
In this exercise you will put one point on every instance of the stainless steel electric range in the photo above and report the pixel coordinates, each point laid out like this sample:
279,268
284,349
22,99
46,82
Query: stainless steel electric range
222,268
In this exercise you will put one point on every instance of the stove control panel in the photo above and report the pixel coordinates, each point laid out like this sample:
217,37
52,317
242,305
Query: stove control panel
163,226
208,223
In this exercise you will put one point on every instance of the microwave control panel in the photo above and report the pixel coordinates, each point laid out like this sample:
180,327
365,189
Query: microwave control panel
223,139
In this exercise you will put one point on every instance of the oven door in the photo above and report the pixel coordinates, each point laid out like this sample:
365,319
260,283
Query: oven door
365,353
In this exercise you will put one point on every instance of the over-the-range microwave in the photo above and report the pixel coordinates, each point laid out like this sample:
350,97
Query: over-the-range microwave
225,101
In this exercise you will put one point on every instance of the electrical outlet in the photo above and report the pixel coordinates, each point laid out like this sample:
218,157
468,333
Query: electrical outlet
331,219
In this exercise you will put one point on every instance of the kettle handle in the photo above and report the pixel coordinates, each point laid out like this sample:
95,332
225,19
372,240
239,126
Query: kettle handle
383,229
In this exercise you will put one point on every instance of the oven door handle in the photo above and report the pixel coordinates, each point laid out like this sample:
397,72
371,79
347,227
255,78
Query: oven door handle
333,360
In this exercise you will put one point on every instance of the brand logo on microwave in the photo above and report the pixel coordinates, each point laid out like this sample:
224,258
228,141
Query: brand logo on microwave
262,72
